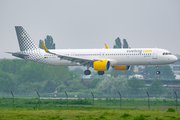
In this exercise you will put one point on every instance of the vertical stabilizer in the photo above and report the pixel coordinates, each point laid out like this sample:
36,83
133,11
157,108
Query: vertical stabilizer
25,41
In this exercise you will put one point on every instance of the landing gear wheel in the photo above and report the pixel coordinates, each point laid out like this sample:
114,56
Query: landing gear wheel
157,68
100,72
157,72
87,72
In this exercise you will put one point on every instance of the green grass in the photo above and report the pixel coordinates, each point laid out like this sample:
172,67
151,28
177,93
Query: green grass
32,103
87,114
82,109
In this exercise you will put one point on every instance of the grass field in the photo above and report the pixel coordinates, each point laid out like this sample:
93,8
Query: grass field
82,109
87,114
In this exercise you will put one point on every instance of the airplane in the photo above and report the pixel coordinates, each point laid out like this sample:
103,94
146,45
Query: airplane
99,59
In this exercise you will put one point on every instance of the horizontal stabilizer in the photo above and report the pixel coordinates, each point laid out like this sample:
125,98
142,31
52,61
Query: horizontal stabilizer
18,54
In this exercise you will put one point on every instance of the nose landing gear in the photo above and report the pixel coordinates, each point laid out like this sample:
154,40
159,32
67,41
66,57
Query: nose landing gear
157,70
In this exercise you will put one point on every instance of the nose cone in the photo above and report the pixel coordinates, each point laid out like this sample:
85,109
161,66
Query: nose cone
174,59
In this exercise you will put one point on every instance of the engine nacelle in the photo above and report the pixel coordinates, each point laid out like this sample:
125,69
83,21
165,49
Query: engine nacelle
101,65
121,68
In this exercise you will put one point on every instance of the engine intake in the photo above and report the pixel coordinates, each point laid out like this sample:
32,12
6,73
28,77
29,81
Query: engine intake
101,65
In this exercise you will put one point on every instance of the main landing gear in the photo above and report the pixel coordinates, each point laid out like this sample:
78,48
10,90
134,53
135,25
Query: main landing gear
87,72
100,72
157,70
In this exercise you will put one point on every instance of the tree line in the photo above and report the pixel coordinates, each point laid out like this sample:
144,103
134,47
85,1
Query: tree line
21,76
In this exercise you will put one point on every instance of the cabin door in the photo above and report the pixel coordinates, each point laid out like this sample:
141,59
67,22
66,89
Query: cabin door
154,56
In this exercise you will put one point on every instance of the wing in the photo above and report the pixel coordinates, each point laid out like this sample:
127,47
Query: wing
82,61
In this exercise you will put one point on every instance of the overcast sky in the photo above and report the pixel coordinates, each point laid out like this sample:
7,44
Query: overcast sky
91,23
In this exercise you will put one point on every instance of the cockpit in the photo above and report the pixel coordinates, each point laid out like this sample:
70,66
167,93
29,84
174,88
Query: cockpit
167,53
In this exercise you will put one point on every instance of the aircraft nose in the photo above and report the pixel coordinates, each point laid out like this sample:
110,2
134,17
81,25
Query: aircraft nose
174,59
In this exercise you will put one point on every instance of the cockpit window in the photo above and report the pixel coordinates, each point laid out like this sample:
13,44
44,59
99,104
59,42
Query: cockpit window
167,54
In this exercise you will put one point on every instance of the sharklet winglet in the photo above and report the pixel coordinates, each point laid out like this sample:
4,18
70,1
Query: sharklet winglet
45,49
106,45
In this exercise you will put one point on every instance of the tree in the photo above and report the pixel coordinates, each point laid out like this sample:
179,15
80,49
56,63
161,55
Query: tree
7,82
125,44
62,88
111,85
49,42
49,86
94,82
56,73
26,76
75,85
135,86
32,72
12,66
78,71
85,83
149,72
166,72
29,87
37,86
118,43
156,87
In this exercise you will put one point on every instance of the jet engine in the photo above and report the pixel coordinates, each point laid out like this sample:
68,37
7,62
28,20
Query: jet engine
101,65
121,68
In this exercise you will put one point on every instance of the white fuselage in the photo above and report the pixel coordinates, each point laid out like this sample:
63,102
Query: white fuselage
138,56
99,59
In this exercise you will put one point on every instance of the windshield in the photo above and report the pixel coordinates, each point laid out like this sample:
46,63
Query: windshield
167,54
